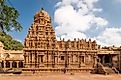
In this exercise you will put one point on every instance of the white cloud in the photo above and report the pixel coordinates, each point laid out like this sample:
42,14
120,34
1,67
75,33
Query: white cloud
100,21
75,17
110,36
97,10
69,20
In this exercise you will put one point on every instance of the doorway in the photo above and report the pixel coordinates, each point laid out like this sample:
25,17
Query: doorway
105,59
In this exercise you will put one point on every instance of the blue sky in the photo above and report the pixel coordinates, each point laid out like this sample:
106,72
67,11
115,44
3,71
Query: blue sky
27,10
104,16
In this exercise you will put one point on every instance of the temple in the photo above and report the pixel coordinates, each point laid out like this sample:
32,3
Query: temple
42,51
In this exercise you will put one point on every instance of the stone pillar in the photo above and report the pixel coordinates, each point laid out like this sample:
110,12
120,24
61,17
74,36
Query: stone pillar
4,64
78,57
57,58
103,60
49,58
84,57
32,56
44,58
79,60
0,64
37,56
95,60
10,64
17,64
72,58
26,57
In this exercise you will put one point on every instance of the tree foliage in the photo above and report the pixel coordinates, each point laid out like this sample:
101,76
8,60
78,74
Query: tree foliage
8,17
9,42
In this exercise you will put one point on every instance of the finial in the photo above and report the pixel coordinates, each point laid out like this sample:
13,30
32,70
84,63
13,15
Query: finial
89,39
63,39
60,38
42,8
74,39
78,39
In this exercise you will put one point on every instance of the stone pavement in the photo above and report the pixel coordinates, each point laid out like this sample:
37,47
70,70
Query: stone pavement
60,77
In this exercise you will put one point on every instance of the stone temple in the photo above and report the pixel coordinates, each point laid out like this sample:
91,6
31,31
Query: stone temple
42,51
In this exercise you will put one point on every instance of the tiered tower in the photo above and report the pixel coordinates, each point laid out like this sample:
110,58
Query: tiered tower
40,39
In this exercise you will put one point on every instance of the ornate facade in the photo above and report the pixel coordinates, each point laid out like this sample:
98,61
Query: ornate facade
10,59
42,51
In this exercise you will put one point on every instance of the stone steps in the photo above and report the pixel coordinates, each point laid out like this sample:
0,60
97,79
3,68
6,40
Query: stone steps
100,69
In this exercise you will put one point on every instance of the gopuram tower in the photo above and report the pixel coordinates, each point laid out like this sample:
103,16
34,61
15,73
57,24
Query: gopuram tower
40,39
42,52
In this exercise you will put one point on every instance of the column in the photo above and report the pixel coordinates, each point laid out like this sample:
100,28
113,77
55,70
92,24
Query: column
25,57
57,58
0,64
78,57
47,56
72,57
33,57
103,60
28,57
10,64
82,59
37,56
95,60
4,64
79,60
84,56
69,62
17,64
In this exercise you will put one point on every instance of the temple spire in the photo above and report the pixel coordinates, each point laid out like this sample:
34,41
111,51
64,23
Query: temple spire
42,8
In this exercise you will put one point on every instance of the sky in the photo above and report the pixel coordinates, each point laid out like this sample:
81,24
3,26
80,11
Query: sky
99,20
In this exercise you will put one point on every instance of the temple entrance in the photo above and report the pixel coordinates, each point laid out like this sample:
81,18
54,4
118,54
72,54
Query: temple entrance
105,59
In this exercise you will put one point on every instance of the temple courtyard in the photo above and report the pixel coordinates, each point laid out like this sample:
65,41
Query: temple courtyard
54,76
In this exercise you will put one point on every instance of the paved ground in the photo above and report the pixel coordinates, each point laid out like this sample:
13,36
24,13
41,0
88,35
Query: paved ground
60,77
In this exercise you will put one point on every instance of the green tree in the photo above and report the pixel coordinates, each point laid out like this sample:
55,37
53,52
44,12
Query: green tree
8,18
9,42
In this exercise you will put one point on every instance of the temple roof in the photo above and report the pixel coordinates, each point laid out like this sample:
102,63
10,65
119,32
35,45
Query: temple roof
41,13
